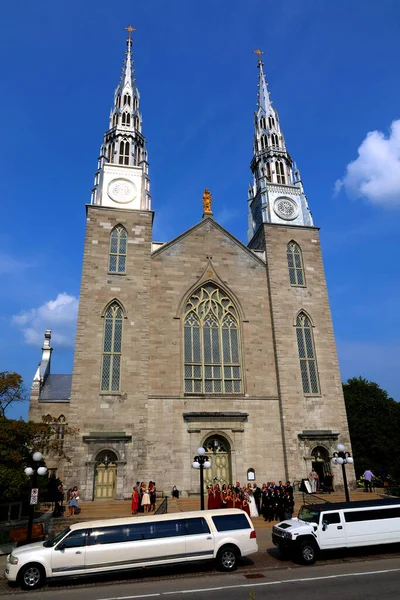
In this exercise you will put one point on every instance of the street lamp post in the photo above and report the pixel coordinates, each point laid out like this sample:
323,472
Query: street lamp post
40,469
201,462
341,457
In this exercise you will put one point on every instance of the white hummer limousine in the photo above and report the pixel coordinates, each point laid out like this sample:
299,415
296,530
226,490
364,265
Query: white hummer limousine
331,526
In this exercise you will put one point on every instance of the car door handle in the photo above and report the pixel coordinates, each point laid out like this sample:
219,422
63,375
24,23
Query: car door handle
209,537
340,526
78,552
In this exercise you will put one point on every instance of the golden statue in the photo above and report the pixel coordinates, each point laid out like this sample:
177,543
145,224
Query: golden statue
207,199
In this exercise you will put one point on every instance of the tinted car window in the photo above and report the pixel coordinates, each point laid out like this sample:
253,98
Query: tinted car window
331,518
76,539
229,522
108,535
196,526
162,529
372,515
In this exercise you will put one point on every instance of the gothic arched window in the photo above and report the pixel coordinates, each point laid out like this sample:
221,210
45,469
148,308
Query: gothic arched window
271,122
126,119
124,153
211,343
280,172
262,123
308,361
295,264
115,120
112,347
119,101
274,140
268,172
118,246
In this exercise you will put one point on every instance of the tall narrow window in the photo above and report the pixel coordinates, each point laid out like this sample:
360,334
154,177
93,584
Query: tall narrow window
118,244
295,264
211,343
112,346
308,361
274,139
126,119
124,153
271,122
280,172
268,171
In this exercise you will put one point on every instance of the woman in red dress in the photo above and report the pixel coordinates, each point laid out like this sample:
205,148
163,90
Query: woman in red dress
229,499
210,491
237,502
135,500
245,505
217,496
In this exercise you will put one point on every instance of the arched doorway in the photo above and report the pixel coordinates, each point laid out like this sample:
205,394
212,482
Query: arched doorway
219,454
105,475
321,463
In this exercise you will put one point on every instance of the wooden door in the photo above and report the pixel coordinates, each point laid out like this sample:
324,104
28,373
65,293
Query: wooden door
105,482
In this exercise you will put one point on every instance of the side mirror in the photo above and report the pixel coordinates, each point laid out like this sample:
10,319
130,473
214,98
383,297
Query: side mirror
60,546
325,525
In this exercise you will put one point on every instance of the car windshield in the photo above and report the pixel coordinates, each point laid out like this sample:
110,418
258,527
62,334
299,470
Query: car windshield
309,515
53,541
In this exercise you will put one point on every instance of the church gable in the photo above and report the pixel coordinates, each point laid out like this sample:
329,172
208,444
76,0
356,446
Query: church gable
207,227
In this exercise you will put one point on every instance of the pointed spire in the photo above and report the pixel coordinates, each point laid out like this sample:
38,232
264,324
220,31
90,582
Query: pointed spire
127,76
274,179
124,143
264,101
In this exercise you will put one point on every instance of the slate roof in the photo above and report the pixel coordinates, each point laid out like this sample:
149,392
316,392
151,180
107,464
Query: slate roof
56,388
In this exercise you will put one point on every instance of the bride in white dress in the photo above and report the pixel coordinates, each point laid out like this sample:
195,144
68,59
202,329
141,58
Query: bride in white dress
252,505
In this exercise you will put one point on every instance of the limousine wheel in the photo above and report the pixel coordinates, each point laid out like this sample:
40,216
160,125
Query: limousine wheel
308,552
32,576
227,558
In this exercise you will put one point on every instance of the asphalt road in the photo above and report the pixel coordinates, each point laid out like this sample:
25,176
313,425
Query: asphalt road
378,579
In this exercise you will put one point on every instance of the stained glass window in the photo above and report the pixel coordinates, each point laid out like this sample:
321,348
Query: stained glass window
295,264
112,347
308,361
211,343
118,246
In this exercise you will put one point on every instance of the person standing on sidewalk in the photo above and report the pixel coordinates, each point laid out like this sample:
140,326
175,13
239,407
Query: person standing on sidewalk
368,477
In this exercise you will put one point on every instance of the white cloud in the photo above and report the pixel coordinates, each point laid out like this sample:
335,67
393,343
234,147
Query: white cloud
10,265
59,315
375,174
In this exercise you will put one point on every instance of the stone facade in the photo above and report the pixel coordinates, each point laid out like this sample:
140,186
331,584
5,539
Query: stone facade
149,427
272,427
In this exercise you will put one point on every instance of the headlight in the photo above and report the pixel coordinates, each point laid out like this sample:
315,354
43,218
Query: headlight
13,560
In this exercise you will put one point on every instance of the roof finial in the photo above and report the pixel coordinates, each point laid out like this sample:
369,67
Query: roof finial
258,52
129,29
207,199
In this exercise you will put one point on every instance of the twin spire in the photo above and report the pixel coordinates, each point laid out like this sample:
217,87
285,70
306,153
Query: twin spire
274,174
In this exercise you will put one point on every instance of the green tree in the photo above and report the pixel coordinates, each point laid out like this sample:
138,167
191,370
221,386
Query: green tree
18,440
374,420
11,390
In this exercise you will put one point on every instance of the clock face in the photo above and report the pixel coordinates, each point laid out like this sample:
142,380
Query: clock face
286,209
122,190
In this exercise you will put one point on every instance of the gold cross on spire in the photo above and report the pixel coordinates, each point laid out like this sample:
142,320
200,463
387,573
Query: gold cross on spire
129,30
258,52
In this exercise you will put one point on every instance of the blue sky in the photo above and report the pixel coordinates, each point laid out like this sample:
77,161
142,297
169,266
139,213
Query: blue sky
332,69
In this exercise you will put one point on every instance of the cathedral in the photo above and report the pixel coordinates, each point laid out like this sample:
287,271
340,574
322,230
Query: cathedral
199,340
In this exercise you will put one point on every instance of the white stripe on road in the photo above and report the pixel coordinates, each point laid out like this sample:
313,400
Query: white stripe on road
251,585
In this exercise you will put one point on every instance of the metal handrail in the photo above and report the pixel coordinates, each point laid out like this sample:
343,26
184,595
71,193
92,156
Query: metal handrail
163,508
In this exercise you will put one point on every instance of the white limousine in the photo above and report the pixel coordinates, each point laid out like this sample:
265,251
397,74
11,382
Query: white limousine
120,544
330,526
